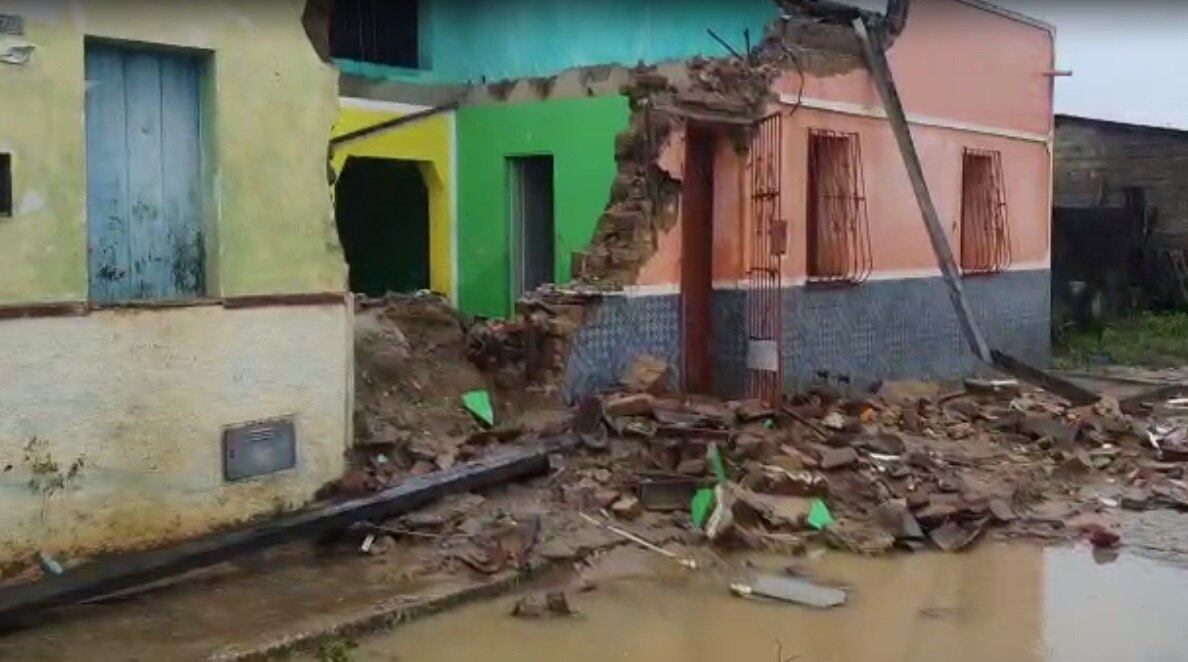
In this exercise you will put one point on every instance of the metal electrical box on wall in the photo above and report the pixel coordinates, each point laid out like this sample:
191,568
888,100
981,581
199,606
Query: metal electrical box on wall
259,448
11,24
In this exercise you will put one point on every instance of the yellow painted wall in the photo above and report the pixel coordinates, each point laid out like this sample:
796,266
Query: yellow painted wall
429,142
272,104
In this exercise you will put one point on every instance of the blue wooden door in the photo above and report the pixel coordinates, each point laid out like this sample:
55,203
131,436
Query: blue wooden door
144,175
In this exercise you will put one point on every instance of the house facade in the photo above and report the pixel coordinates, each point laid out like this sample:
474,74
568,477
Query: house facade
727,172
173,314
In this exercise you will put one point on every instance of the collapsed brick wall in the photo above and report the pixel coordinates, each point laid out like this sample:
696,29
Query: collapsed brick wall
733,90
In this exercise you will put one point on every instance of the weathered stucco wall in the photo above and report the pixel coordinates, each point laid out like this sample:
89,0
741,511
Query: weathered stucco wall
270,105
139,399
957,62
429,142
1011,113
580,136
485,40
900,244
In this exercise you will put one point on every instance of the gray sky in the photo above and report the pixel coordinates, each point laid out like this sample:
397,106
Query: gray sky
1129,58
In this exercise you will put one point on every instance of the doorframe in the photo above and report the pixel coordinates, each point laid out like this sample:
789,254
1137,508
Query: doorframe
208,146
514,231
697,259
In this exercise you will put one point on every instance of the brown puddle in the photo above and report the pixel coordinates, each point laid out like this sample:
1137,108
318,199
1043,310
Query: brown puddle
995,603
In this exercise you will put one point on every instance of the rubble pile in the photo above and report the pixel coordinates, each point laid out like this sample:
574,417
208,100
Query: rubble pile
912,466
530,350
908,467
412,366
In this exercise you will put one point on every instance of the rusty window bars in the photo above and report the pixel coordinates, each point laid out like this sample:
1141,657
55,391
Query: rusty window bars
838,227
985,231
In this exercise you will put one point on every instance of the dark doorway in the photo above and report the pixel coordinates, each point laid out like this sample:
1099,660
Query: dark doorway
697,259
531,179
382,207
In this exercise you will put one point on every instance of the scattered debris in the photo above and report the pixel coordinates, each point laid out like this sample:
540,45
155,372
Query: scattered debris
687,562
668,494
543,605
790,589
954,537
647,374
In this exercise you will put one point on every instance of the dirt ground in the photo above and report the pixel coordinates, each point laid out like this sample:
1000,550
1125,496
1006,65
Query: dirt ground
412,367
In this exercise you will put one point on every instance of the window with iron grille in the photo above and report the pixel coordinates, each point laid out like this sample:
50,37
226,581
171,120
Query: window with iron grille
377,31
985,232
838,227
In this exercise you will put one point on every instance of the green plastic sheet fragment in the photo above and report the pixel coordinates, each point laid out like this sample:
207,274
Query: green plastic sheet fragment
819,516
479,404
702,506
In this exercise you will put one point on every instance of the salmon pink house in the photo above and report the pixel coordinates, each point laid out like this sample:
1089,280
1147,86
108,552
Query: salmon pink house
726,175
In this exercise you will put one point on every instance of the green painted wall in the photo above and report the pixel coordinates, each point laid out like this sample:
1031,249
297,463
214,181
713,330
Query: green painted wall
580,136
271,104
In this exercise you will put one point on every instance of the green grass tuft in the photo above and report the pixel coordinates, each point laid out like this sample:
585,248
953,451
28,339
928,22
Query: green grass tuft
1156,340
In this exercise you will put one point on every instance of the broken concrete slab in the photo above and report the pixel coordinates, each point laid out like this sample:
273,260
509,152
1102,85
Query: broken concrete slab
778,510
838,458
790,589
552,604
628,508
897,520
648,374
630,404
954,537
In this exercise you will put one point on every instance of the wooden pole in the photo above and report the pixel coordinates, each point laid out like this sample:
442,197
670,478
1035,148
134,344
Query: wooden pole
881,71
88,582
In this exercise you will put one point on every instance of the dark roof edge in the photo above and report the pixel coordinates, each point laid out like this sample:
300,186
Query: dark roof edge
1011,14
1081,119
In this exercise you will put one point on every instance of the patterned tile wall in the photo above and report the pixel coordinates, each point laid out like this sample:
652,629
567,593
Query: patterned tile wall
867,333
619,329
907,328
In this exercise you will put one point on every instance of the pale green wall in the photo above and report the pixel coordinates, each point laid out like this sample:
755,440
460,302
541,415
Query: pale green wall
273,107
139,398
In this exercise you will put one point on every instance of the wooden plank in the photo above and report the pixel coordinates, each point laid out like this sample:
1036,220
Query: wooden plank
148,231
1074,393
1136,404
107,176
387,125
181,173
95,580
881,72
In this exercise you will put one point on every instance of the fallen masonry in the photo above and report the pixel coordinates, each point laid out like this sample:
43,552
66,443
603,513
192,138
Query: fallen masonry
910,467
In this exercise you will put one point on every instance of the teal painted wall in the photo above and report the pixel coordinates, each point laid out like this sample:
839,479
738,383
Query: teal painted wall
465,40
580,136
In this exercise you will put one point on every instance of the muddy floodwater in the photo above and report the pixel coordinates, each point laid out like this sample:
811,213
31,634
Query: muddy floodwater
993,604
